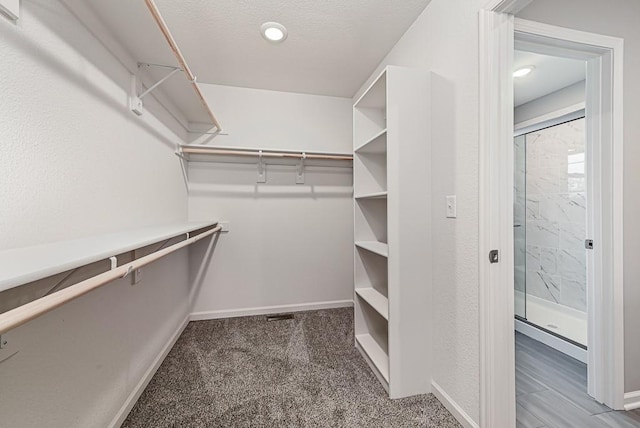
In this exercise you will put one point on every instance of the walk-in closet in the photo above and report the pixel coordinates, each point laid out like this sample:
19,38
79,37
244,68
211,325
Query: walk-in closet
302,213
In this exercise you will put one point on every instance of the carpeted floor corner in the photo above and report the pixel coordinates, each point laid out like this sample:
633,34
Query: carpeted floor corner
303,372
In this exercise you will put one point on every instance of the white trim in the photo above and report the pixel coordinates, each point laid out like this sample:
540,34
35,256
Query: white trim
550,119
146,378
266,310
555,342
564,34
454,408
496,282
632,400
506,6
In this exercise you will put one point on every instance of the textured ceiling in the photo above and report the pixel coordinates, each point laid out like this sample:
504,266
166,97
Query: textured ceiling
333,45
550,74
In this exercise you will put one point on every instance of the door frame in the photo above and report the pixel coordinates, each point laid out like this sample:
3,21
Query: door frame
498,28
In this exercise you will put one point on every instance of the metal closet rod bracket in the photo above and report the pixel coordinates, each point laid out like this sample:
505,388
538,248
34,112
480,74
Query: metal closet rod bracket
135,100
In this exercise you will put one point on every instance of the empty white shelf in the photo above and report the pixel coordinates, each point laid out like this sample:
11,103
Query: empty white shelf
374,195
23,265
375,299
376,354
375,145
376,95
379,248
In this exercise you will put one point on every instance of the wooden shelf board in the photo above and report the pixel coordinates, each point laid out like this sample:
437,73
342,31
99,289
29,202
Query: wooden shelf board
375,145
375,247
23,265
376,354
376,300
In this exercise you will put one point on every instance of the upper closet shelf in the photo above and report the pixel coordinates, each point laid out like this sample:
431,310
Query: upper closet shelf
164,29
23,265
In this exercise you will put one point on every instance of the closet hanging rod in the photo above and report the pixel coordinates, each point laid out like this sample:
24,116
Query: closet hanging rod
155,12
27,312
263,153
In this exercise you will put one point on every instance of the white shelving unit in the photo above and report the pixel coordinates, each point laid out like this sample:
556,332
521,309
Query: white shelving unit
391,223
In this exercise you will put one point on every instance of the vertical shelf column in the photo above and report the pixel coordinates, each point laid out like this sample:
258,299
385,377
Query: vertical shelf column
391,224
370,227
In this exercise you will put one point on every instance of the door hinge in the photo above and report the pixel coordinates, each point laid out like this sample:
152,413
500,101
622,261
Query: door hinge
494,256
588,244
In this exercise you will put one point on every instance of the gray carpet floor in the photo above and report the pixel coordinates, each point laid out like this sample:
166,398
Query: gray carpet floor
248,372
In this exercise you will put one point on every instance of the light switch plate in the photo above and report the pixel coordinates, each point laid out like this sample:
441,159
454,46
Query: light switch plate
451,206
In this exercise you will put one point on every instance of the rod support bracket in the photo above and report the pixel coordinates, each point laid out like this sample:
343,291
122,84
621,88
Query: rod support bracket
126,274
3,342
135,100
300,172
262,170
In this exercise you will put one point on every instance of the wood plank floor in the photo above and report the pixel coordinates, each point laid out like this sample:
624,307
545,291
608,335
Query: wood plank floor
551,392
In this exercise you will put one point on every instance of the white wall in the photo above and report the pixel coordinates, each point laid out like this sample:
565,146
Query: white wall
444,39
560,99
288,244
616,18
76,162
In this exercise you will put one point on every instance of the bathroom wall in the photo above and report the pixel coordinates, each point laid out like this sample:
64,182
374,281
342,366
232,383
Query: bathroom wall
556,214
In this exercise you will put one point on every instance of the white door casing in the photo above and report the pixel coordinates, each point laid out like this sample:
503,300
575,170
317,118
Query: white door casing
603,54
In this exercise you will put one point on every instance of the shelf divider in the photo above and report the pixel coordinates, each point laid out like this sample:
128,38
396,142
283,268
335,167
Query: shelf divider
374,145
374,195
376,354
376,300
379,248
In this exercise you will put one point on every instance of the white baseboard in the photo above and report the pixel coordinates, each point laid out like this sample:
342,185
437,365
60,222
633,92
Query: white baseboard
453,407
146,378
632,400
266,310
563,346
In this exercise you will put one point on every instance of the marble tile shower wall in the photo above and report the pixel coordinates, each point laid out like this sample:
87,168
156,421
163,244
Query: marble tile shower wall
555,214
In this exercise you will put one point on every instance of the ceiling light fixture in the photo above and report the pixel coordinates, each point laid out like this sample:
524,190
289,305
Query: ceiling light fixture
523,71
273,32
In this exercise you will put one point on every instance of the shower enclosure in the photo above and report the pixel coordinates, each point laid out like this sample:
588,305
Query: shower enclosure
550,230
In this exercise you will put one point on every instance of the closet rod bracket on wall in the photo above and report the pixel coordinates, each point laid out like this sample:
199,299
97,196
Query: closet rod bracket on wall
262,169
135,100
300,173
3,342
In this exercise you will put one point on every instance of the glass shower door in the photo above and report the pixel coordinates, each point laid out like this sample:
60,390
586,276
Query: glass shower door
519,229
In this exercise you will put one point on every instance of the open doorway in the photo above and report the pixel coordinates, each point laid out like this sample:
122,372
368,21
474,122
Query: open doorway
603,125
550,201
551,241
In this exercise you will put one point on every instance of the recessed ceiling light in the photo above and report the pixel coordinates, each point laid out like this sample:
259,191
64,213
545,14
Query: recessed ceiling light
523,71
273,32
